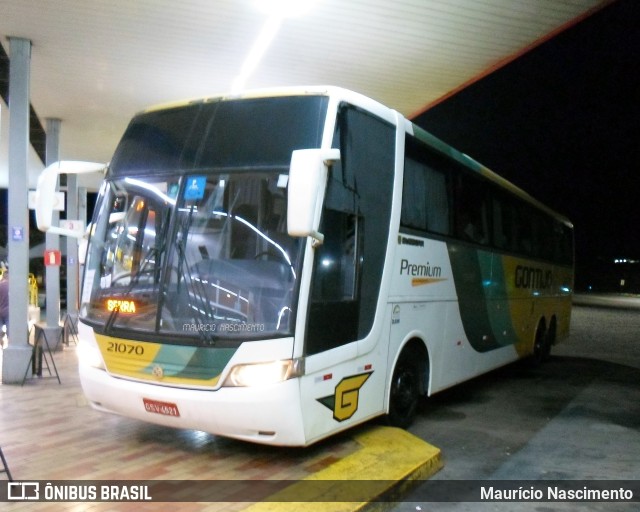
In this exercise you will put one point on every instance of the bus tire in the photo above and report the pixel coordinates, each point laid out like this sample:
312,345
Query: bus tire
541,345
551,339
406,389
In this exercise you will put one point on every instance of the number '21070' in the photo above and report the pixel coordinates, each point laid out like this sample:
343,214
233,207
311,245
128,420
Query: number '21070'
125,348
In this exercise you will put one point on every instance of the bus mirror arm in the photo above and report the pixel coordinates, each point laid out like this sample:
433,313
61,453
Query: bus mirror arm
307,182
46,192
318,239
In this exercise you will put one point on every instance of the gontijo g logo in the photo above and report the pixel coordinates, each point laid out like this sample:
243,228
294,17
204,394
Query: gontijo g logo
344,403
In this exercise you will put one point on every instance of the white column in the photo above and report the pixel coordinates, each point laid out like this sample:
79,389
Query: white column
18,353
52,279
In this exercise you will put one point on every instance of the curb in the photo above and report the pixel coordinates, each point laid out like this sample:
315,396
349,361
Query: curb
390,462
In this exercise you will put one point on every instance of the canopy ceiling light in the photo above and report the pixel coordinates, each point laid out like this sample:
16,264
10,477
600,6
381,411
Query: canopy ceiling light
276,11
285,8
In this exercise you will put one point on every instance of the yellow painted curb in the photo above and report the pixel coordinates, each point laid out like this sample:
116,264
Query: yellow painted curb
389,460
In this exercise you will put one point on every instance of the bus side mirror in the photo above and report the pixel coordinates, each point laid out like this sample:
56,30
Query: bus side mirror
307,181
46,192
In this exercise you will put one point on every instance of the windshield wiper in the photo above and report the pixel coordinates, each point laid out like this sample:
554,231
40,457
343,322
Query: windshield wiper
201,309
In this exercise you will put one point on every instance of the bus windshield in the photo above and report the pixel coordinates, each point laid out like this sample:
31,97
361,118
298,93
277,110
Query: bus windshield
189,241
204,256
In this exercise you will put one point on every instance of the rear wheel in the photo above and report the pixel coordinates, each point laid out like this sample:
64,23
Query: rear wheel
406,389
542,345
550,339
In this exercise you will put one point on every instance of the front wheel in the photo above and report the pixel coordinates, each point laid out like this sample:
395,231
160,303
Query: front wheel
405,392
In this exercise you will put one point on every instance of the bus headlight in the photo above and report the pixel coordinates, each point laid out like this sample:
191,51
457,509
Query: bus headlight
259,374
89,355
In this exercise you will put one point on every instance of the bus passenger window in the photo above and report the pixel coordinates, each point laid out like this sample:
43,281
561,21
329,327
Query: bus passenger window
524,230
334,309
472,215
414,196
437,202
503,224
425,192
355,222
335,269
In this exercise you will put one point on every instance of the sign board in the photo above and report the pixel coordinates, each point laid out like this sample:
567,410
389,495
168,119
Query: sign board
17,233
195,188
73,225
52,258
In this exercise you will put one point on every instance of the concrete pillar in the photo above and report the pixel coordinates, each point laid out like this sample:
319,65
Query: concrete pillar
52,276
72,247
18,353
82,216
82,205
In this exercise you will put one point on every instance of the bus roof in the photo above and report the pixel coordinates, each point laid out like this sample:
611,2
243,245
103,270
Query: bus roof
314,90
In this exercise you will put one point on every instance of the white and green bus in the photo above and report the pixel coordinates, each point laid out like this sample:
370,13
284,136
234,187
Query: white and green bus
281,265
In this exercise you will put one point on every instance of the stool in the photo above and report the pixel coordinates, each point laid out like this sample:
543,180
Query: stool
70,330
39,356
5,466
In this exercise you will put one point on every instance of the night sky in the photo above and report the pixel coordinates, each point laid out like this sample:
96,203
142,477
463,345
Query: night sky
562,122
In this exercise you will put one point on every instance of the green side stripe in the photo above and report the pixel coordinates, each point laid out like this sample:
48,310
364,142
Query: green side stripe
484,326
203,363
208,362
500,313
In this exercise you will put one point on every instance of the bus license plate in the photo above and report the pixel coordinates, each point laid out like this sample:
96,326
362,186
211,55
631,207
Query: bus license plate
164,408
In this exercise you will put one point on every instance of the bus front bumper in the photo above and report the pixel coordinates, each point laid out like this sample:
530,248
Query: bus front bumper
266,414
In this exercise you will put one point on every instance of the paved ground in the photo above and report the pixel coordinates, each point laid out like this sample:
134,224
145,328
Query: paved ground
576,417
49,433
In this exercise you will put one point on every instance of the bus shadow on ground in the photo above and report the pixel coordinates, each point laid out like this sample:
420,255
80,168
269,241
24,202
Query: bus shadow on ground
520,390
